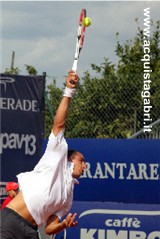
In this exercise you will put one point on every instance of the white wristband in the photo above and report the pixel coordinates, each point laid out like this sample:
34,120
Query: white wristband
68,92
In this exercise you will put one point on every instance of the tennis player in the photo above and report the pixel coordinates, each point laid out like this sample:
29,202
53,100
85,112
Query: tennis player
46,193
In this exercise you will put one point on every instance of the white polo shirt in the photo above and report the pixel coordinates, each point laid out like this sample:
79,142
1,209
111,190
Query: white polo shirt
48,189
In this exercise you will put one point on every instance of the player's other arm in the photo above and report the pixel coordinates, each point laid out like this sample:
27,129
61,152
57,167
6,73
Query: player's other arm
61,114
54,225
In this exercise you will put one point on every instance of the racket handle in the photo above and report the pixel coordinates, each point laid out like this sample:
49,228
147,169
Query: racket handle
74,68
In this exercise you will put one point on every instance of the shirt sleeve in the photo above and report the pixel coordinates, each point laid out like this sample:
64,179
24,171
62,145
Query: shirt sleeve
54,141
56,151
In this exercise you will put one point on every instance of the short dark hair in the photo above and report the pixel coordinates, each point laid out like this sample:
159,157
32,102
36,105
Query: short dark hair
71,153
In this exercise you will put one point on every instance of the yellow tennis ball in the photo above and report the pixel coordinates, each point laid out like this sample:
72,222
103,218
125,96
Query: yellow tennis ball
87,22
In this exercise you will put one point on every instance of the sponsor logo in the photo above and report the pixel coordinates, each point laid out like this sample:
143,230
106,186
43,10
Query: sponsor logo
17,141
23,105
122,227
6,80
123,171
16,104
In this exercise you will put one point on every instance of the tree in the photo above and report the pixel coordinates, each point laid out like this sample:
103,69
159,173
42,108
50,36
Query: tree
31,70
12,71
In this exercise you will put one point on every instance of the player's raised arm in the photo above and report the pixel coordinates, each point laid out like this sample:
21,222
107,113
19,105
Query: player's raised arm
61,114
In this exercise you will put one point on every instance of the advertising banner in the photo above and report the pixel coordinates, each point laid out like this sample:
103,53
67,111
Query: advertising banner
22,123
119,170
97,220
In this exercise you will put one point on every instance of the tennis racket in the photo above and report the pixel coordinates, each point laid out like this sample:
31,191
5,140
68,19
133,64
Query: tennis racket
80,40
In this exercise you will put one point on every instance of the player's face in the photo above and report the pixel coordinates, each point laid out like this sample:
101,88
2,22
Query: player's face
79,165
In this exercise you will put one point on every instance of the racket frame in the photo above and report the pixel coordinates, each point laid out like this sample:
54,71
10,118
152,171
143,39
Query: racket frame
80,39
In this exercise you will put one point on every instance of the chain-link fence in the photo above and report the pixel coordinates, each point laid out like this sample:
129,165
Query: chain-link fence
110,108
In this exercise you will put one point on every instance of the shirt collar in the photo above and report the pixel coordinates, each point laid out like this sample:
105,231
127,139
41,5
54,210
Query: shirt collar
70,169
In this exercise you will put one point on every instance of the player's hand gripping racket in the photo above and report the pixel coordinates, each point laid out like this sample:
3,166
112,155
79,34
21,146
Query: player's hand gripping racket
80,40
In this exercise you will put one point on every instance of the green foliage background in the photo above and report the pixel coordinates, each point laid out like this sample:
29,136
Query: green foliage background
110,105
